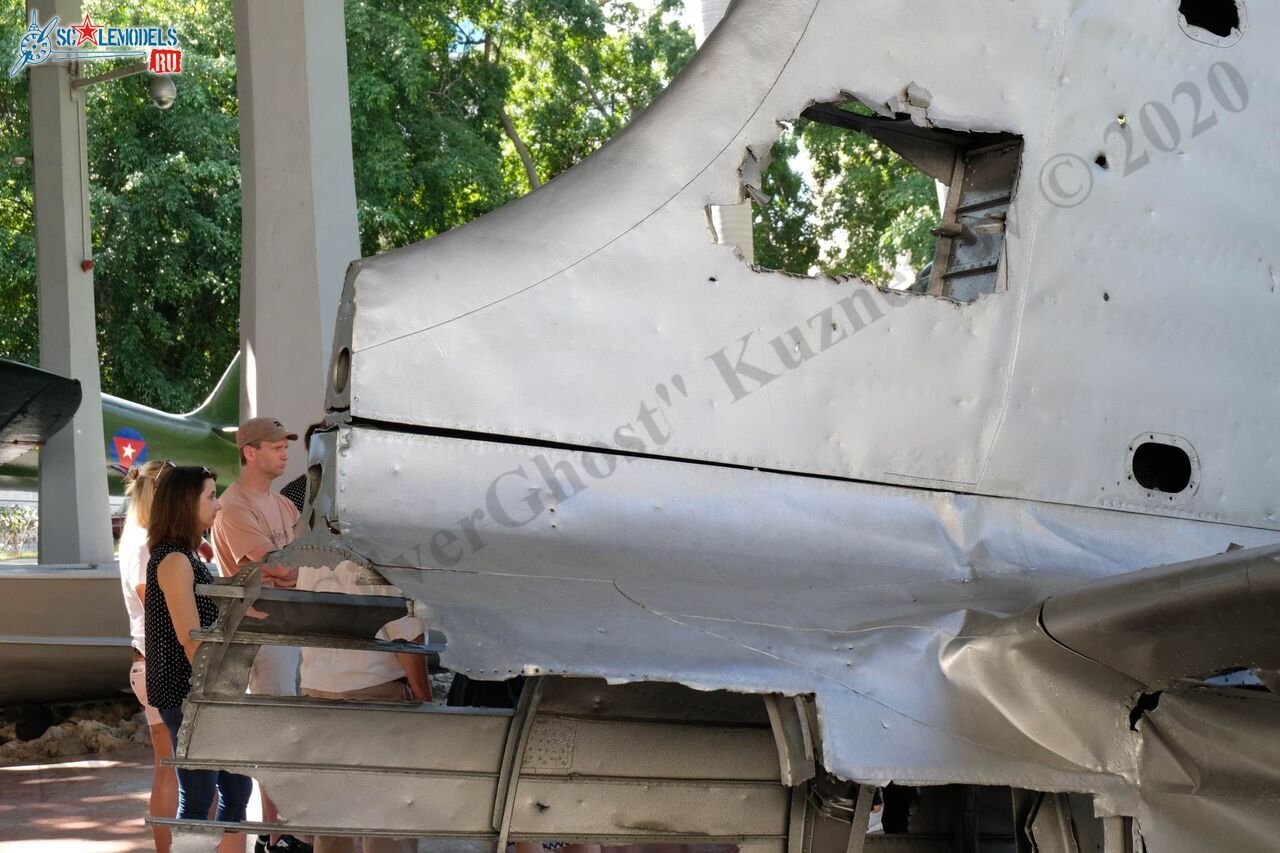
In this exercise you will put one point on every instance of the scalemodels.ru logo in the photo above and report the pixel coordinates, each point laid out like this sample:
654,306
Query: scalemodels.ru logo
87,40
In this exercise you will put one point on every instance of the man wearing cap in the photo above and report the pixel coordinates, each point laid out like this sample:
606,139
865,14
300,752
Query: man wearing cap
253,522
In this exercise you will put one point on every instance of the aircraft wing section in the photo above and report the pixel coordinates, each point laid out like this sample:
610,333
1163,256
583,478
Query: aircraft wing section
34,404
1193,619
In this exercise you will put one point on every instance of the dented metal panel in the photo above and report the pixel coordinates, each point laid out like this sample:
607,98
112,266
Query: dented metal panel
629,579
404,804
1210,758
916,619
587,748
460,742
596,771
545,808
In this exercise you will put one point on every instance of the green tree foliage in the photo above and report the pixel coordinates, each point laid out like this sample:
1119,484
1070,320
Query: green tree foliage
582,73
166,212
18,329
459,107
165,206
784,231
428,145
885,205
440,90
861,207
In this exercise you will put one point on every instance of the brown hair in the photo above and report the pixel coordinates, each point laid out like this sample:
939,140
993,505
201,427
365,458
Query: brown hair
311,430
139,488
175,518
256,445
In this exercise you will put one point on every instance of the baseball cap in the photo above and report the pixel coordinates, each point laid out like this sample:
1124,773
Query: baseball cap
262,429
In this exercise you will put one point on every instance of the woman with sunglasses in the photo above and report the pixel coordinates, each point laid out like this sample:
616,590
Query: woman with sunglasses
184,506
139,487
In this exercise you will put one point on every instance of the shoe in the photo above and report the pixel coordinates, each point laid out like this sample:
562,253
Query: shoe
289,844
263,844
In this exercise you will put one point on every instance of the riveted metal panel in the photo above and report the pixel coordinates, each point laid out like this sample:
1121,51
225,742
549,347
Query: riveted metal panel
648,808
349,734
411,803
1131,297
655,750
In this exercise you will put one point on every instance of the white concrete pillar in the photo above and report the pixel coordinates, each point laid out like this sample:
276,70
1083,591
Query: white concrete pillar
299,202
75,522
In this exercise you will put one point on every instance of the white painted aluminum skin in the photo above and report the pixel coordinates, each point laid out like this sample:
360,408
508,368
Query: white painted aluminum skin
833,490
1139,310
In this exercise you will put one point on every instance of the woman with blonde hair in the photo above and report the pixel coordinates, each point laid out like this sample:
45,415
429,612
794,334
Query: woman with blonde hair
184,506
139,487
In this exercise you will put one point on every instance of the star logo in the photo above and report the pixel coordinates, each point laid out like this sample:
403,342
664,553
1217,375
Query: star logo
87,32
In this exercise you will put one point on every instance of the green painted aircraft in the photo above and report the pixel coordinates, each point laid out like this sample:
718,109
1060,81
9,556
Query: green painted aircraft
135,433
85,652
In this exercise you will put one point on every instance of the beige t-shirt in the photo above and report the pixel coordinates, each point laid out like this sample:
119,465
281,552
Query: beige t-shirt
249,526
343,670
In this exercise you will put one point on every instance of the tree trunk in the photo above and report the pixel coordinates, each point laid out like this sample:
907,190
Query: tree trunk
509,126
493,55
595,98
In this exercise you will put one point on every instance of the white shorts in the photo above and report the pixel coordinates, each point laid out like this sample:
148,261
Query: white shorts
138,681
275,671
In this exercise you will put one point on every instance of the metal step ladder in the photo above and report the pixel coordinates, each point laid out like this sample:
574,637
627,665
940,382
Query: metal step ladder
577,760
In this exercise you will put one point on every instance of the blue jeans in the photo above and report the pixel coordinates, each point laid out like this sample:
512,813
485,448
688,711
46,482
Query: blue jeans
197,787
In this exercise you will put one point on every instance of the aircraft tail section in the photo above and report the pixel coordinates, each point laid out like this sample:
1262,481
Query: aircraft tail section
222,406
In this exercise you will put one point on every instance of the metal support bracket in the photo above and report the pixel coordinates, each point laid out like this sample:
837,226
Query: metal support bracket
861,819
790,722
1118,835
513,758
116,74
248,582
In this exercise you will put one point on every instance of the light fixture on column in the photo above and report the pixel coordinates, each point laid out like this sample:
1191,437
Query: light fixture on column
163,91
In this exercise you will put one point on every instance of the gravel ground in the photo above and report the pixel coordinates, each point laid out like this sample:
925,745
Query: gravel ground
97,727
88,729
80,730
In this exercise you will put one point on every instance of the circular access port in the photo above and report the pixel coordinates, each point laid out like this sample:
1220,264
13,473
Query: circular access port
1216,22
341,370
1162,467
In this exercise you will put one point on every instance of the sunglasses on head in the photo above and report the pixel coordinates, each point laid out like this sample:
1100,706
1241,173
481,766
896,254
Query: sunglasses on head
169,463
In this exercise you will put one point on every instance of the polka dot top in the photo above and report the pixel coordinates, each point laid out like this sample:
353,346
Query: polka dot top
168,671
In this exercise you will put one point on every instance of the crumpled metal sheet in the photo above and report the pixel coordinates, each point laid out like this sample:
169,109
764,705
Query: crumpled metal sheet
913,617
1210,767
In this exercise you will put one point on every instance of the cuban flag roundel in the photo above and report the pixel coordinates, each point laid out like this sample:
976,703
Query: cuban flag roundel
128,448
